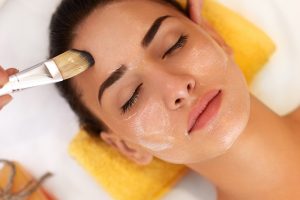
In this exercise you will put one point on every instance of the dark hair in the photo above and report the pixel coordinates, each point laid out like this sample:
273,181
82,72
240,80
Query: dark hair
65,20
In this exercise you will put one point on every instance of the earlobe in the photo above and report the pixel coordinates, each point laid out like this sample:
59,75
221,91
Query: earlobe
132,152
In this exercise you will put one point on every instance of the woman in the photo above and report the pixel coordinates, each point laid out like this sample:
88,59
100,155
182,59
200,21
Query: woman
166,86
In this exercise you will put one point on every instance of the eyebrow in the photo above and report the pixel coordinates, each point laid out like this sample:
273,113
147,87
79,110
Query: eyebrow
114,77
153,30
119,73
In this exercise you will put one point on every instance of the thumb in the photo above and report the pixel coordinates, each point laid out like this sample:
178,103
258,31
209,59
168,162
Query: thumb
11,71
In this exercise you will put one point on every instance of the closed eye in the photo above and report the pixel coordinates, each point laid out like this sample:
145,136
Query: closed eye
179,44
133,99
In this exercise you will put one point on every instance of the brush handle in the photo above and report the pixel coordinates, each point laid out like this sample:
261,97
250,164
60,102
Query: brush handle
14,85
8,88
41,74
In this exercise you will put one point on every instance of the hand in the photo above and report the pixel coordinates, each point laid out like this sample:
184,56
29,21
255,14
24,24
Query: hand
4,74
195,7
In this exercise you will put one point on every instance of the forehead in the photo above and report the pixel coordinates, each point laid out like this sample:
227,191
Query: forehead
115,31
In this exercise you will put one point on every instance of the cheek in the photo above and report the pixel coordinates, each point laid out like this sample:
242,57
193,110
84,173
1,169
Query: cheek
236,111
206,59
152,127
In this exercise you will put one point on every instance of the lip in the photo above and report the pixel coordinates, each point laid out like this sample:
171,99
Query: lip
204,110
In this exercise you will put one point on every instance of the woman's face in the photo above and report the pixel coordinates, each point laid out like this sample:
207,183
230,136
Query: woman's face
155,72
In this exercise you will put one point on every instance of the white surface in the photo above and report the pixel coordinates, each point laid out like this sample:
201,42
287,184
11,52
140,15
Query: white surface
37,126
2,3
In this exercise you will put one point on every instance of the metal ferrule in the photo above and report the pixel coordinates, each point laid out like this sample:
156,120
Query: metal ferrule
41,74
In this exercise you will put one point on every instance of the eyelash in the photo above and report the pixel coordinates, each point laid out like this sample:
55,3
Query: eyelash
179,44
126,107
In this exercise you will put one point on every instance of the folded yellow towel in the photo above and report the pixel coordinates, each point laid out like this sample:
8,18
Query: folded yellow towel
120,177
124,180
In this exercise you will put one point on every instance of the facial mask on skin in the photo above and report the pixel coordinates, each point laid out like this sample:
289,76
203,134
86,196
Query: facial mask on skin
218,62
154,134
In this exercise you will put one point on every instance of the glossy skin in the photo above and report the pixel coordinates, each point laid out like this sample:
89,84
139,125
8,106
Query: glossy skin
157,124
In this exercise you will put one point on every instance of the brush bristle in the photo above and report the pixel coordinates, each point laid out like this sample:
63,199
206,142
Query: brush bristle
73,62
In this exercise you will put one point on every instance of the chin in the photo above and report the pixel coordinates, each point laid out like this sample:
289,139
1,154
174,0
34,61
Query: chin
233,118
216,140
218,137
223,138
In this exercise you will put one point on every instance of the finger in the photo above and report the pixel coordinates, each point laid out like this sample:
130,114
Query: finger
4,100
12,71
195,7
198,4
3,77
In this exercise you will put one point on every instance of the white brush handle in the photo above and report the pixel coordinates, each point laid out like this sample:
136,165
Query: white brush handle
8,88
41,74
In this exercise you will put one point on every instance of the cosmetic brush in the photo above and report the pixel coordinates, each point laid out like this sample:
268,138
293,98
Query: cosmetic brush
62,67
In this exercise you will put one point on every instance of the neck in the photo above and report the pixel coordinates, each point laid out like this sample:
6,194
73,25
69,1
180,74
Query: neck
259,161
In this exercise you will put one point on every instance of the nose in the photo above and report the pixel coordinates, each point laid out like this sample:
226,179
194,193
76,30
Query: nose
178,90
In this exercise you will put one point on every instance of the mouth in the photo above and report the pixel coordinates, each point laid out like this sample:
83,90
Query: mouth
205,109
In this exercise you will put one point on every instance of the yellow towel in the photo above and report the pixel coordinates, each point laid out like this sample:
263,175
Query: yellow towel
124,180
120,177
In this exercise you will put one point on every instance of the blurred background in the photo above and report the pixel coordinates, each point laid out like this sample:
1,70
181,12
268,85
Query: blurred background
36,128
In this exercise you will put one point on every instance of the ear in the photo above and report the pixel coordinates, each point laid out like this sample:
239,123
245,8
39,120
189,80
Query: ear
129,150
194,9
